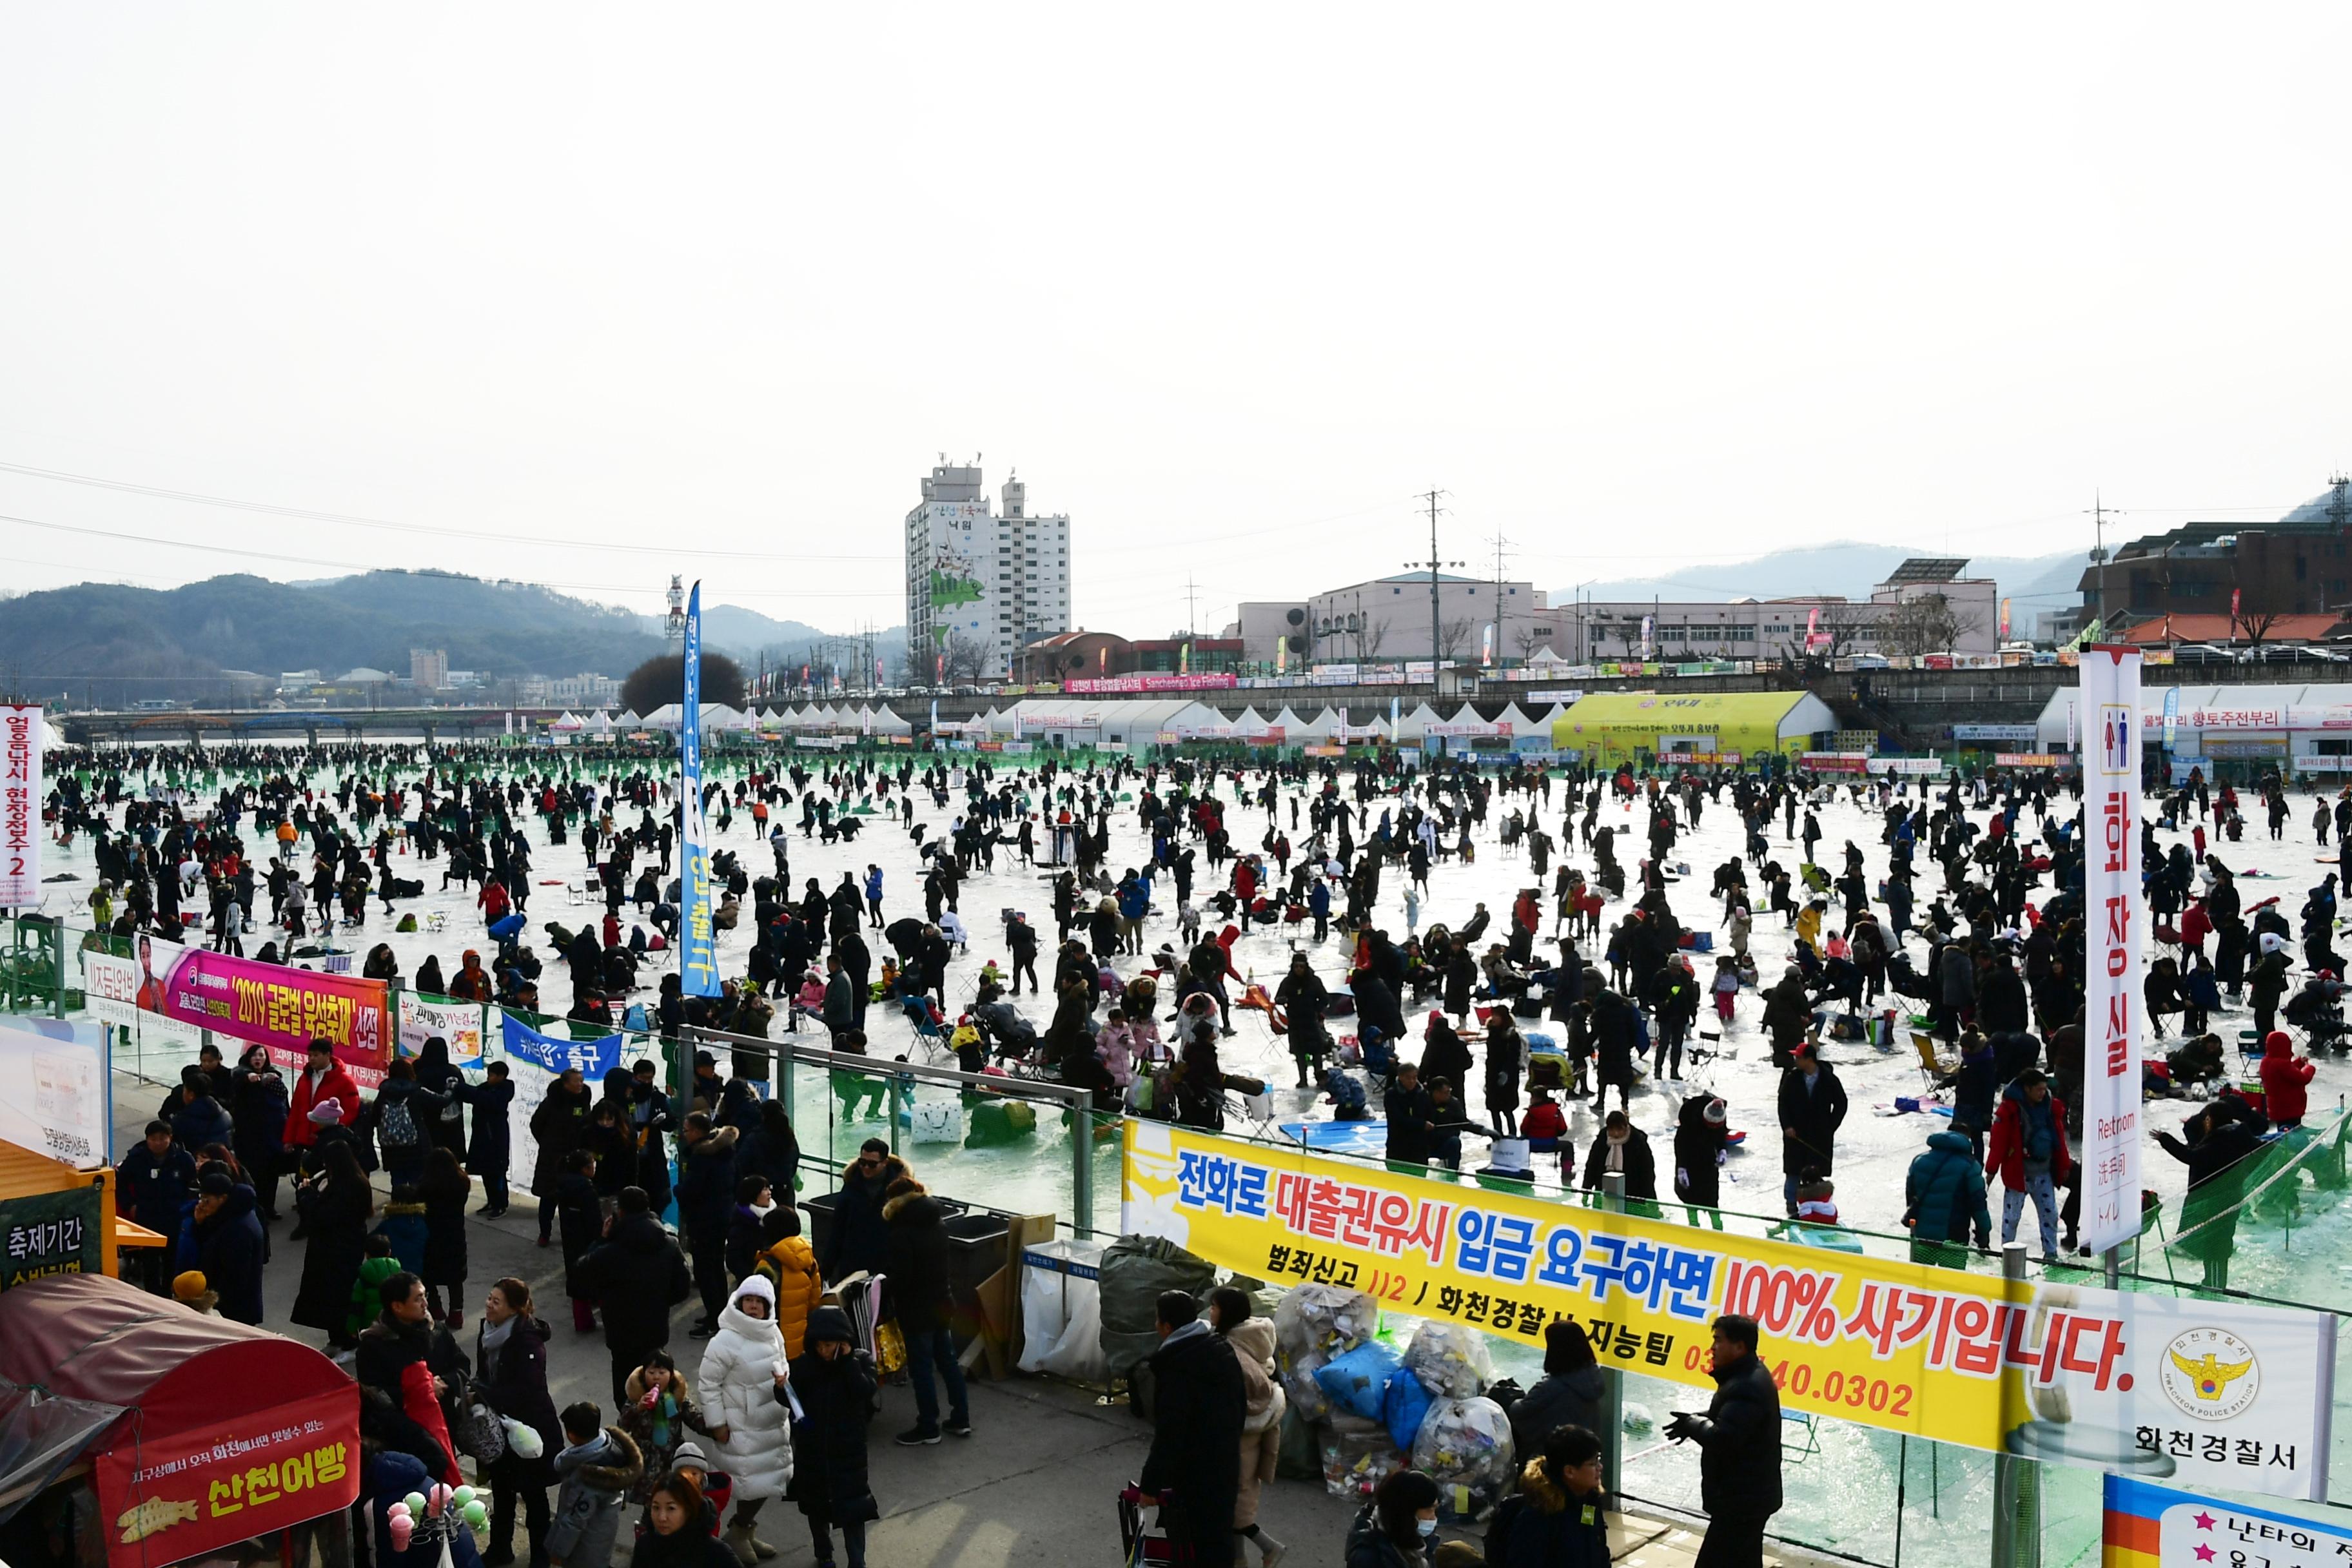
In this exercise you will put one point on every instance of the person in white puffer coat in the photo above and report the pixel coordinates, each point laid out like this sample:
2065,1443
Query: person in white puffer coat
743,1369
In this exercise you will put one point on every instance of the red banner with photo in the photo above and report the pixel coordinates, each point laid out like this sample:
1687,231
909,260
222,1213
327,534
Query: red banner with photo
194,1492
282,1008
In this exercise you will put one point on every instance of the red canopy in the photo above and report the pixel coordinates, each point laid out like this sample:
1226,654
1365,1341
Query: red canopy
229,1431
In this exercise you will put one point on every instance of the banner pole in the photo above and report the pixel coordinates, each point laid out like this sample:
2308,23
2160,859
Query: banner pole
2016,1485
1613,1396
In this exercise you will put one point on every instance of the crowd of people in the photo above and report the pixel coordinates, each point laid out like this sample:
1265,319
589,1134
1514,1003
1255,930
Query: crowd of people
1596,988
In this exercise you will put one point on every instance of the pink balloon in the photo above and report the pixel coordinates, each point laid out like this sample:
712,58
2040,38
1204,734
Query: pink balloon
397,1511
402,1527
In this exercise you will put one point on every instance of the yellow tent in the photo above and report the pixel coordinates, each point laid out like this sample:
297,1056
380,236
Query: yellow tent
1630,726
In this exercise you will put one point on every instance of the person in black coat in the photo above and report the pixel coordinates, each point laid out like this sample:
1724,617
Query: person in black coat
1616,1040
1813,1107
636,1277
771,1149
197,1119
257,1107
335,1205
558,1126
445,1187
230,1245
1699,1142
1198,1407
491,1144
915,1270
834,1383
1412,1118
397,1409
446,1127
151,1184
1624,1147
1740,1446
510,1378
860,1237
706,1202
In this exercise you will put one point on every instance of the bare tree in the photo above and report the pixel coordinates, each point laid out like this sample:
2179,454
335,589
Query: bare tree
1530,638
1450,635
1369,640
2254,625
1929,622
965,657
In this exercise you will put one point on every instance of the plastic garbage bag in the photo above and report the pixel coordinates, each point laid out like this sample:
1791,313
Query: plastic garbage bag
1358,1381
1404,1404
1135,1270
1464,1445
1313,1323
1061,1317
1358,1456
1450,1360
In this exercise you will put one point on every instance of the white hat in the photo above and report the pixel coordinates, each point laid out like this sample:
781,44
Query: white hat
757,1285
2272,942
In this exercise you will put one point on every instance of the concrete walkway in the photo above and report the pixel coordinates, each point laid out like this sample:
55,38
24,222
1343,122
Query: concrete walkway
1036,1483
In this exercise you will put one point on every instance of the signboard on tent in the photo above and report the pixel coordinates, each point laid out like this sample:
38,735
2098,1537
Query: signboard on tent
2116,924
697,941
2065,1374
192,1493
51,1233
53,1089
20,807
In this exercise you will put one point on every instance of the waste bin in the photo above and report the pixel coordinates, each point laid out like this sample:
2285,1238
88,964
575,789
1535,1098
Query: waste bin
976,1252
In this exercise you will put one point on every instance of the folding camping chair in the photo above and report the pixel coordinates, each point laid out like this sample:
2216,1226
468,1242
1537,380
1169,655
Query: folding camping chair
436,920
1932,1065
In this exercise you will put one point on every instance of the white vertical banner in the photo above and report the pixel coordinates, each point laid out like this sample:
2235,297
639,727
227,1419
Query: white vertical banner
2114,925
20,807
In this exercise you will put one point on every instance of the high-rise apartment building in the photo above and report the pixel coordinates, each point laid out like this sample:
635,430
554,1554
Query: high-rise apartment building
980,583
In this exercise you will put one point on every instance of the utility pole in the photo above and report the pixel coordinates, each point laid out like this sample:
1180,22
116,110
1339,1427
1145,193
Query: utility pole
1190,594
1499,542
1437,639
2100,513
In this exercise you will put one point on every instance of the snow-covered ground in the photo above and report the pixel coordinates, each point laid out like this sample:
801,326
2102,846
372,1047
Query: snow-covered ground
1873,1149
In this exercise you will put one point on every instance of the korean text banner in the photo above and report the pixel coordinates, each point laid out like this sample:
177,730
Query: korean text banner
458,1024
20,807
537,1061
194,1492
697,945
186,989
2218,1393
2114,923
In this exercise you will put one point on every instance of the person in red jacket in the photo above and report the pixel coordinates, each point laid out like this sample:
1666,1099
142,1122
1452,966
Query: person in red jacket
323,1078
2196,925
2284,1074
2028,1150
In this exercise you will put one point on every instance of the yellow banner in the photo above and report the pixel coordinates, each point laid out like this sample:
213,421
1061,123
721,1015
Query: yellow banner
2067,1372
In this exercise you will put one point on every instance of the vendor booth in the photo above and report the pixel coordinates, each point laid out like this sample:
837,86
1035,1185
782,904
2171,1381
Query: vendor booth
189,1435
1703,728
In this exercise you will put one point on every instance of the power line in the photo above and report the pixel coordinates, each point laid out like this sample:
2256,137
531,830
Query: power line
358,566
308,515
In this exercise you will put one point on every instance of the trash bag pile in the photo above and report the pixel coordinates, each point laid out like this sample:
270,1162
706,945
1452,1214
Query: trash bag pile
1314,1325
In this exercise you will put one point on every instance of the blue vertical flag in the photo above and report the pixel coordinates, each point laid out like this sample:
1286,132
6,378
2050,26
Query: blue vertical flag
2171,714
698,948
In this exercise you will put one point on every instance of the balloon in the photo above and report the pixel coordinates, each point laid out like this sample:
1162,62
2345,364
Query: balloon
397,1511
477,1515
440,1496
463,1496
401,1529
415,1501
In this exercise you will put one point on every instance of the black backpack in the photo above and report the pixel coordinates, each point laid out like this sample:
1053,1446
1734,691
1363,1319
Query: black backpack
1498,1527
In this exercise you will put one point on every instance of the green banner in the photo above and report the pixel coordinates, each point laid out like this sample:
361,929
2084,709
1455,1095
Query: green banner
53,1233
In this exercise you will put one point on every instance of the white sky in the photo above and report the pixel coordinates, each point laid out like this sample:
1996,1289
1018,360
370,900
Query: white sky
1638,285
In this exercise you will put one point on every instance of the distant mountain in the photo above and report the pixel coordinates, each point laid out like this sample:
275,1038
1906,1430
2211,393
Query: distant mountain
745,634
167,642
1852,569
